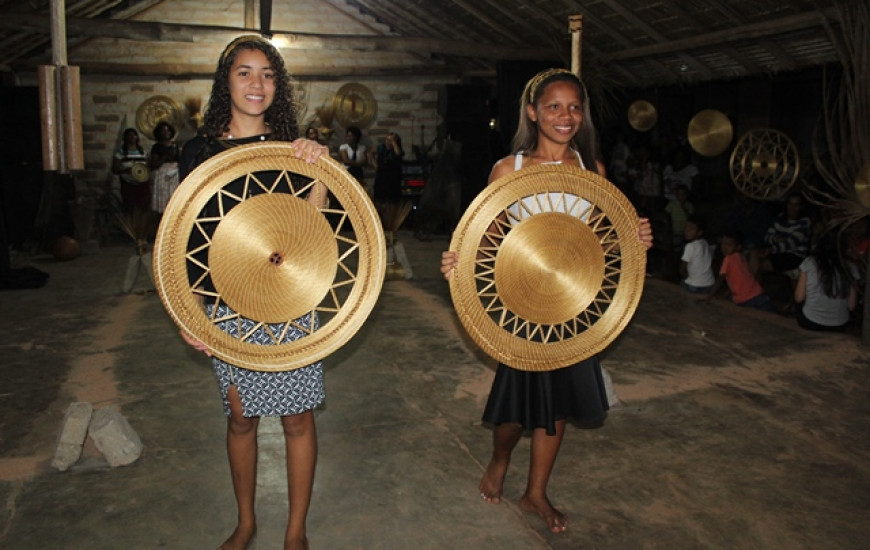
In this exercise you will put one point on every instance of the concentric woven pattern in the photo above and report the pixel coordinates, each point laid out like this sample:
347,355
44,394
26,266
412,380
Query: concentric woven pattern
764,164
550,269
239,224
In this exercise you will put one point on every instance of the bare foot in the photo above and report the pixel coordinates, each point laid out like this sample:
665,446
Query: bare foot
296,544
240,539
555,520
492,482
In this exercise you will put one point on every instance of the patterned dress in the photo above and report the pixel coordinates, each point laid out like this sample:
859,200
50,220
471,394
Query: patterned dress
279,393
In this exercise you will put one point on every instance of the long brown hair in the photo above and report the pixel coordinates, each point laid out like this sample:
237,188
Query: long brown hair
585,141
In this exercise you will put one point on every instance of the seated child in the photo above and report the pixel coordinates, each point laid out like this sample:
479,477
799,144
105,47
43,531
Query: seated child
696,266
745,289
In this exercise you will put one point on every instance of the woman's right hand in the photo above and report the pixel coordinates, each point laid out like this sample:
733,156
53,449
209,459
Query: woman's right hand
449,259
194,343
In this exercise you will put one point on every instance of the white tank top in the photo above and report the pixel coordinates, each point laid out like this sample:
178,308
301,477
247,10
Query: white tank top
518,161
565,203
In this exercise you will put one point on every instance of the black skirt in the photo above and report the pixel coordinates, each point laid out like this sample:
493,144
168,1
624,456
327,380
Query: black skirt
539,399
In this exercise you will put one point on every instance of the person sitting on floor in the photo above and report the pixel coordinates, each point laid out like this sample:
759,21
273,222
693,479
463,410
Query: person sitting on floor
745,288
826,287
787,240
696,266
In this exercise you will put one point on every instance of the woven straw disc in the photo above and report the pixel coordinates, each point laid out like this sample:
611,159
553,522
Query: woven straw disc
140,172
710,132
266,271
642,115
764,164
271,256
550,269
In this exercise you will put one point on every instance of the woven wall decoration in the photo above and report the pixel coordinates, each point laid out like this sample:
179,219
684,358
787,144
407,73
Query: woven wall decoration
764,164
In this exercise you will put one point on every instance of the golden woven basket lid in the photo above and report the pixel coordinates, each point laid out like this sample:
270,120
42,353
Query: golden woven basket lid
642,115
550,268
710,132
239,233
140,172
156,109
764,164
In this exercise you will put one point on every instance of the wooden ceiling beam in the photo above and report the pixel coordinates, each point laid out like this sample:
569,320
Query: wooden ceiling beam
658,37
503,32
591,19
172,32
766,43
748,32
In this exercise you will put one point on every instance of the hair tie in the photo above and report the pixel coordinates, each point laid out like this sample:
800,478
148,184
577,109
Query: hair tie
542,76
241,40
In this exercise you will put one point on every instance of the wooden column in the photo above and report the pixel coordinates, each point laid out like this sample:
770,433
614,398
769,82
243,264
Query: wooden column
60,102
575,25
250,13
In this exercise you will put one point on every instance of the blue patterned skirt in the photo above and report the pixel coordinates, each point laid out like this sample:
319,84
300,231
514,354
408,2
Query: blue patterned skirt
278,393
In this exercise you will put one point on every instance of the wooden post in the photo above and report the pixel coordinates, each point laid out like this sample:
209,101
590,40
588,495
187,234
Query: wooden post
49,117
250,13
575,25
266,18
58,33
60,103
70,96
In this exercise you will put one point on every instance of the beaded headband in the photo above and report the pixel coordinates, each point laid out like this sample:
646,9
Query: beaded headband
542,76
241,40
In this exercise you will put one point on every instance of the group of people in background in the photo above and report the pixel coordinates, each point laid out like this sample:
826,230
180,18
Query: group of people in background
153,193
386,160
754,246
147,181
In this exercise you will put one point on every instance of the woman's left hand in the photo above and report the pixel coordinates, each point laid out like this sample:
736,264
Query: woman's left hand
644,232
309,150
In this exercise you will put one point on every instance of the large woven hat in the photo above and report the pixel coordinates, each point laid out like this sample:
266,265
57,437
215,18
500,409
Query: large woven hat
239,238
550,269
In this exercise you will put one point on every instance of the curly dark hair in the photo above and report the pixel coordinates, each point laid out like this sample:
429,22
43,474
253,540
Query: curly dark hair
280,116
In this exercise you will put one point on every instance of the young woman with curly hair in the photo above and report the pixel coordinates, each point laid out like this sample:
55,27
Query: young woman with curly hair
252,101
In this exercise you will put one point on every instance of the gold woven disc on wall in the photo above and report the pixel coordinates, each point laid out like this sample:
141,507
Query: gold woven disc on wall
710,132
238,236
156,109
764,164
642,115
354,105
550,268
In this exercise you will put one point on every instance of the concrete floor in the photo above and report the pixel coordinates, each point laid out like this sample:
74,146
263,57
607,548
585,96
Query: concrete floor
735,429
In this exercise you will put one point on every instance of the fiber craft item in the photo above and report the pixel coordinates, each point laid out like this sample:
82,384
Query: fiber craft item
238,232
550,269
140,172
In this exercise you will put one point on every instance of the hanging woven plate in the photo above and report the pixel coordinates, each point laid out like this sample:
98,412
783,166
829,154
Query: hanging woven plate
239,245
764,164
550,269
